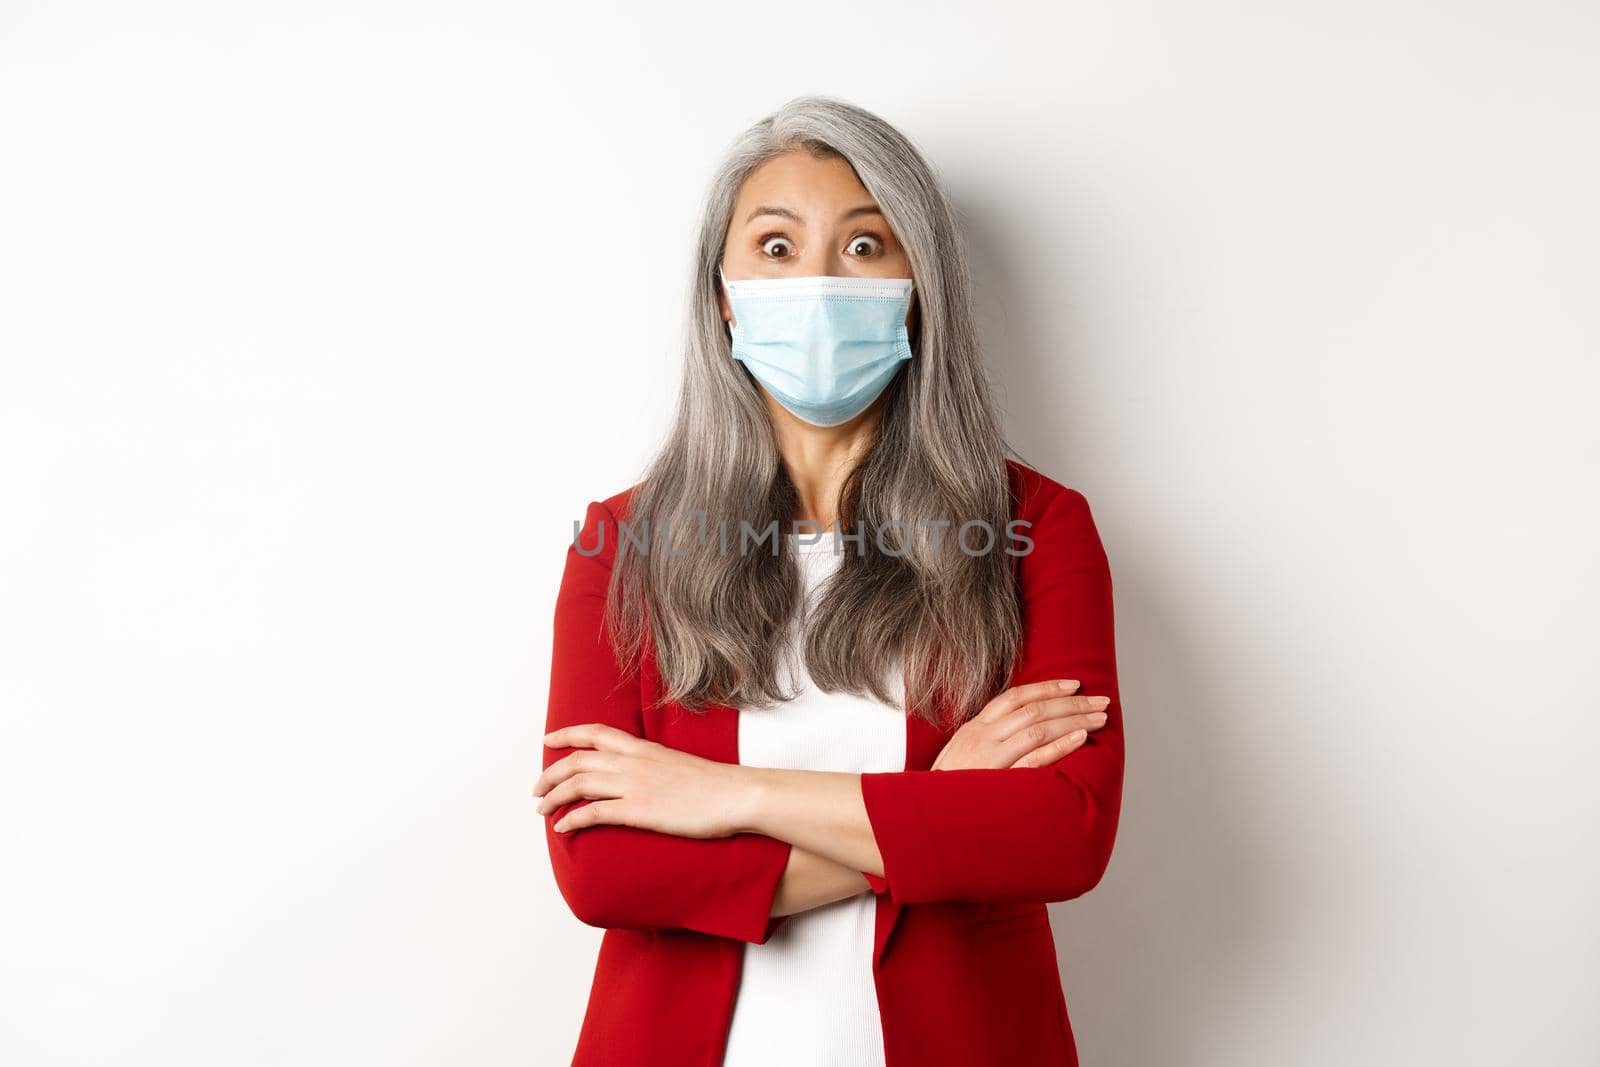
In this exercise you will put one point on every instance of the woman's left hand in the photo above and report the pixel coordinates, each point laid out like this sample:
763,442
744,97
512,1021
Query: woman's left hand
629,781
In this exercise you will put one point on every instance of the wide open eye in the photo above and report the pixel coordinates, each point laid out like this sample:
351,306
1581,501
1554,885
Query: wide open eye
864,245
777,247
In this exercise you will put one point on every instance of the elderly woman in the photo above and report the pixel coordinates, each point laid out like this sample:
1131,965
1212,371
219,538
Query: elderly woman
833,700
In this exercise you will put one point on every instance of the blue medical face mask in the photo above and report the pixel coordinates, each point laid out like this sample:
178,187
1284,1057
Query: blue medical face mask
823,347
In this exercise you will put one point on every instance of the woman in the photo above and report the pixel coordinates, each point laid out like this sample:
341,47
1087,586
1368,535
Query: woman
818,790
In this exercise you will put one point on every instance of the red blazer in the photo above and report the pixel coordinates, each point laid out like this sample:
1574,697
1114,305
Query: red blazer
964,961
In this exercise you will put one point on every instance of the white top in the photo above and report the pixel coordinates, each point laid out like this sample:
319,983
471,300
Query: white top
807,997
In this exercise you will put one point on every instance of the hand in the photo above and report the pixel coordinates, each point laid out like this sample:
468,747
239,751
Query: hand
1026,726
629,781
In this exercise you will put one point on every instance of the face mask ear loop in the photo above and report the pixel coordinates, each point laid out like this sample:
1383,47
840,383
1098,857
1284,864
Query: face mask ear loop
727,325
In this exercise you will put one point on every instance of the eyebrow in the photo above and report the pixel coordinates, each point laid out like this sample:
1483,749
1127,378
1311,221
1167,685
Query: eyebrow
785,213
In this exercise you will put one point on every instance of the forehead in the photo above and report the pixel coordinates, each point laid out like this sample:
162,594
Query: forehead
800,180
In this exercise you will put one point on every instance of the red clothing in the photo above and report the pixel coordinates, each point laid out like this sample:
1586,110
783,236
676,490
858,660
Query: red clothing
964,960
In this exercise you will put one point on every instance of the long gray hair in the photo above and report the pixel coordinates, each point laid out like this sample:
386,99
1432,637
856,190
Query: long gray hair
717,617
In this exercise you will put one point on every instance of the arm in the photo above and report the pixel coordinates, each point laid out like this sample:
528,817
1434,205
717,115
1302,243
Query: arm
811,881
1012,834
624,876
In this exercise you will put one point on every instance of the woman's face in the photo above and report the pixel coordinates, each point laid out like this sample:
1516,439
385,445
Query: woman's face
800,216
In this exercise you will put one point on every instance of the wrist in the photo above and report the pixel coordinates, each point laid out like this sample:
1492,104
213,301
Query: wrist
753,789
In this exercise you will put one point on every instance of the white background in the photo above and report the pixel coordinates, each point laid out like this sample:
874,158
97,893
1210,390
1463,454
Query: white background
320,323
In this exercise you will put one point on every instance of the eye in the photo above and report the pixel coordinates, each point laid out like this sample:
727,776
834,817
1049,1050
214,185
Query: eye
864,245
776,246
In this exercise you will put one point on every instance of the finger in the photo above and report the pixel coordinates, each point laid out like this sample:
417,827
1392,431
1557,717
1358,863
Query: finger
1053,708
560,770
587,785
1075,704
1017,696
583,759
1054,751
1034,735
601,812
1065,724
597,735
1045,732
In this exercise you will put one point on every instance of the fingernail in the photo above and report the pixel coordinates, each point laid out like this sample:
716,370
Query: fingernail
1097,717
1077,735
1100,702
1069,683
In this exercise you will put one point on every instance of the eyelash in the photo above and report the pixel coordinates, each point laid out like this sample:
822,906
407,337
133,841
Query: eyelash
882,243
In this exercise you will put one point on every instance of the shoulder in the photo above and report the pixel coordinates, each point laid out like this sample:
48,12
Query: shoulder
1058,520
596,536
1034,493
616,505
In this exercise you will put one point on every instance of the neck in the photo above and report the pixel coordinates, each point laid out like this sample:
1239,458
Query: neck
818,459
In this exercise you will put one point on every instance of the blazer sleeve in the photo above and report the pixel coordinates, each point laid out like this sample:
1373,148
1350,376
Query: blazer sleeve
623,876
1021,834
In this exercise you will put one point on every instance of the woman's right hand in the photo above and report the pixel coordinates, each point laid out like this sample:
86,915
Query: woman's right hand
1026,726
